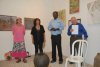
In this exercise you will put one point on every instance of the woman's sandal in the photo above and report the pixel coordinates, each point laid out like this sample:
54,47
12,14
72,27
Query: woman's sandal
18,60
24,60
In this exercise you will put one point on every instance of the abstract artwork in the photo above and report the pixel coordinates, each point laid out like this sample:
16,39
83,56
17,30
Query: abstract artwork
6,22
74,6
94,11
62,15
28,23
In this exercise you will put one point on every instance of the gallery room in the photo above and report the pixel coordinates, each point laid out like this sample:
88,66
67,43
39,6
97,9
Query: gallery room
64,13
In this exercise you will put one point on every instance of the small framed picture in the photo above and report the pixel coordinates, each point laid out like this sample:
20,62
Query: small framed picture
28,23
69,21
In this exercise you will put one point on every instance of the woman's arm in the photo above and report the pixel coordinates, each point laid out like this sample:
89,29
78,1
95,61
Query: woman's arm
32,39
43,30
44,37
32,34
24,30
13,27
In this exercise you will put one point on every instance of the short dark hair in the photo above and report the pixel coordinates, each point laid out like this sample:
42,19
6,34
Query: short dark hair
41,60
55,12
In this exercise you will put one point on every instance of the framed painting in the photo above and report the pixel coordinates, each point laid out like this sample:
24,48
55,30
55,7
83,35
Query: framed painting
62,15
6,22
28,23
94,11
74,6
69,21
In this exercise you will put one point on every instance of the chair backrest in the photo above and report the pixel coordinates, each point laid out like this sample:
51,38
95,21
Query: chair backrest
81,45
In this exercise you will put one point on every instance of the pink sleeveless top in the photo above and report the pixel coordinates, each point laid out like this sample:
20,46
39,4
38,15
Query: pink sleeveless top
18,33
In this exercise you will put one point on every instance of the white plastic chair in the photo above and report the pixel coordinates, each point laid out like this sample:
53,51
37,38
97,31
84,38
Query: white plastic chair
79,57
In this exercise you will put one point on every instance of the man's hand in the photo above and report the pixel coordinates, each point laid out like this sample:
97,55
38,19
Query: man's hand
85,38
54,29
57,29
71,30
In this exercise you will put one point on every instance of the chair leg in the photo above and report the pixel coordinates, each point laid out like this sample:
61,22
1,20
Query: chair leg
84,64
78,64
66,63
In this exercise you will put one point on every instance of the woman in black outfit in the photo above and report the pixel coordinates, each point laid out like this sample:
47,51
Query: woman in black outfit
38,35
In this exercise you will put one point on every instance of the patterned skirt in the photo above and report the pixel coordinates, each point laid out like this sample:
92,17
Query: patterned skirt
19,50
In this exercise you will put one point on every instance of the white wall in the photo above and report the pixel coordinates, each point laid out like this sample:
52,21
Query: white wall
24,8
43,9
33,8
93,32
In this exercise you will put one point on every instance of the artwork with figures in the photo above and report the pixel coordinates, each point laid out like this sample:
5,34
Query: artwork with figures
62,15
74,6
28,23
94,10
6,22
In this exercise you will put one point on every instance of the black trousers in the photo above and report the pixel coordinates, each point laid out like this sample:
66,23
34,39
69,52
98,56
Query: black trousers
38,46
72,39
56,41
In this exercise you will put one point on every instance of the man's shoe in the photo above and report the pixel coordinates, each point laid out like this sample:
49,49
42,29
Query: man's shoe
82,64
60,62
53,61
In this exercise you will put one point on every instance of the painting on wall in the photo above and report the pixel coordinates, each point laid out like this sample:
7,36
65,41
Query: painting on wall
69,21
28,23
6,22
94,11
62,15
74,6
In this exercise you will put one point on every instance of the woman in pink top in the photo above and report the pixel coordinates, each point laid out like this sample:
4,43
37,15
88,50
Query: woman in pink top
19,51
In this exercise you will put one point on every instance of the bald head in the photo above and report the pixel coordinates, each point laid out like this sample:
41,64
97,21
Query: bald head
74,20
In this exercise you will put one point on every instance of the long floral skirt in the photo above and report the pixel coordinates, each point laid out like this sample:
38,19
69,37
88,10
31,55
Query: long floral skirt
19,50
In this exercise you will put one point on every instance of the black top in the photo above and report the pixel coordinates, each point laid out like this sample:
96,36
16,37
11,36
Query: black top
38,34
